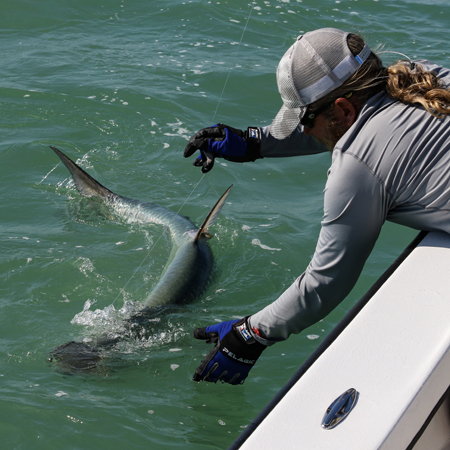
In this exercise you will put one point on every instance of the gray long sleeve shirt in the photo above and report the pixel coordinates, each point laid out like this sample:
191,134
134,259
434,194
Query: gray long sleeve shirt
392,164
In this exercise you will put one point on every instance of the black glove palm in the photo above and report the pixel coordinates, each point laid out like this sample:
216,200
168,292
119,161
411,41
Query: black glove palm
222,141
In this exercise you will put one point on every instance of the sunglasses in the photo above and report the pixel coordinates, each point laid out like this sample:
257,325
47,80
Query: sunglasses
308,119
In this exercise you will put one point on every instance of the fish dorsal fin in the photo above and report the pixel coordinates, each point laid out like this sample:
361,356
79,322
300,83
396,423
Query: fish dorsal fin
86,185
213,214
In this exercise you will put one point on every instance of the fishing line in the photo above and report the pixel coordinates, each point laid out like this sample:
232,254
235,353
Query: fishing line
43,179
234,60
122,290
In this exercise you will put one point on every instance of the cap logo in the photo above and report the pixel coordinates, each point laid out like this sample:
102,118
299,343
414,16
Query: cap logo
363,55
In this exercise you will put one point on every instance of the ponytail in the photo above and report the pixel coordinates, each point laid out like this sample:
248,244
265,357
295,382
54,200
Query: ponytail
410,83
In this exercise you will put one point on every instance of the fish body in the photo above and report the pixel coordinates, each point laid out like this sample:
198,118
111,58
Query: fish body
189,265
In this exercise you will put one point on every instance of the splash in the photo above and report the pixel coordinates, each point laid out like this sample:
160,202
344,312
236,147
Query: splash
107,317
264,247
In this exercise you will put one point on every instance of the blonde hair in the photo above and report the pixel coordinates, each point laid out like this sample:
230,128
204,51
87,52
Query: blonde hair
412,84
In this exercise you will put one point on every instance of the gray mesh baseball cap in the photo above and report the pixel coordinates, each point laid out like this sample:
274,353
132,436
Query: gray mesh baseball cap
318,62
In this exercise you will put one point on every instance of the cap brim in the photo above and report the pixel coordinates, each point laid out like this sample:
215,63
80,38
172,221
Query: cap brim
286,121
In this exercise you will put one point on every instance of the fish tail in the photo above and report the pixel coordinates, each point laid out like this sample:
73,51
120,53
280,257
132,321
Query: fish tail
86,185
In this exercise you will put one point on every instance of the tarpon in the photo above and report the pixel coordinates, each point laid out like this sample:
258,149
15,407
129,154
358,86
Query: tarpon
186,273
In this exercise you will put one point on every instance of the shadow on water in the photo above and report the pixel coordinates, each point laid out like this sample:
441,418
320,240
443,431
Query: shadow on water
103,354
77,357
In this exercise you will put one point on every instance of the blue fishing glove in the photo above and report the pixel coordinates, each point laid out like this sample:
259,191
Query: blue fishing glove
222,141
234,354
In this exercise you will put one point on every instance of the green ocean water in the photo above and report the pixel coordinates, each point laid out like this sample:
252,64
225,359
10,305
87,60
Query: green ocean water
120,86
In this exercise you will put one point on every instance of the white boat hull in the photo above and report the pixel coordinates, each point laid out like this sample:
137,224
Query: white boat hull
394,349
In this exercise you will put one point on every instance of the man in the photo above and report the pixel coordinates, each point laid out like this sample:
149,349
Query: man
389,133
